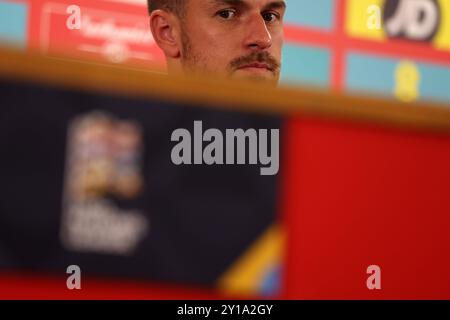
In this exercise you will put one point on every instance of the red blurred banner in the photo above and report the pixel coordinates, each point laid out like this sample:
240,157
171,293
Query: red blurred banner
358,196
94,30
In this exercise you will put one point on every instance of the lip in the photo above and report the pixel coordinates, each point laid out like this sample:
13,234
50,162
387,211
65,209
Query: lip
256,65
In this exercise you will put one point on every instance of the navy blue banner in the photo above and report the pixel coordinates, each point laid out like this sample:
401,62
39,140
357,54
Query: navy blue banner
87,180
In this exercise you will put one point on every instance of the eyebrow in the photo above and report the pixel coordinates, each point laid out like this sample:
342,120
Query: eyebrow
235,3
276,5
281,4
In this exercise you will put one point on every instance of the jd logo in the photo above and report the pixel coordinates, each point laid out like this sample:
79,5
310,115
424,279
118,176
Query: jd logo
416,20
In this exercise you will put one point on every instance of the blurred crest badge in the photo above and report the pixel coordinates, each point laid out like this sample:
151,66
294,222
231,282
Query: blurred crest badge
103,168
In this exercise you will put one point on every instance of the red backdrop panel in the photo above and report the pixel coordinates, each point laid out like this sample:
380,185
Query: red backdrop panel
357,196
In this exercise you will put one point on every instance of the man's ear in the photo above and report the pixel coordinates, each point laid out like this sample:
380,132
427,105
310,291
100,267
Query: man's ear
165,29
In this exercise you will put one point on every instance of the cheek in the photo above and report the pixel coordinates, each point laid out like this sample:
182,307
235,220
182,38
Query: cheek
206,38
277,43
217,47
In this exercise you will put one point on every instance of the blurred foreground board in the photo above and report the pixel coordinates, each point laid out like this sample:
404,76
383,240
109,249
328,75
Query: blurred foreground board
88,180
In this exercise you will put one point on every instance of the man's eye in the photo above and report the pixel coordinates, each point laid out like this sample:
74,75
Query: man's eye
227,14
270,16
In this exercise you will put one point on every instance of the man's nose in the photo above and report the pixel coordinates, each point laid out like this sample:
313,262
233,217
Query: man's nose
258,36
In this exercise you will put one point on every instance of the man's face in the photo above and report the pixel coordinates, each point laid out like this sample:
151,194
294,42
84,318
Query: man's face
234,38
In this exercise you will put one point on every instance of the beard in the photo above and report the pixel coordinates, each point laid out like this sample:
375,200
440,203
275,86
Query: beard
193,63
190,62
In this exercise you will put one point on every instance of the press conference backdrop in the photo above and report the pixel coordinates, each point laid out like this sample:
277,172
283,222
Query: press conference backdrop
397,48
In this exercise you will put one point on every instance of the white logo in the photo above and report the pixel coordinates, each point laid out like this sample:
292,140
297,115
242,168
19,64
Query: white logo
74,280
215,154
374,280
74,20
374,20
103,164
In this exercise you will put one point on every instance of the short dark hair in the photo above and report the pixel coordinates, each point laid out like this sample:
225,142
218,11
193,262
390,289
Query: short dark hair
175,6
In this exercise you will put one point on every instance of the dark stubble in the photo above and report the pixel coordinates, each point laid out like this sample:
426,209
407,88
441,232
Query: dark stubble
191,62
